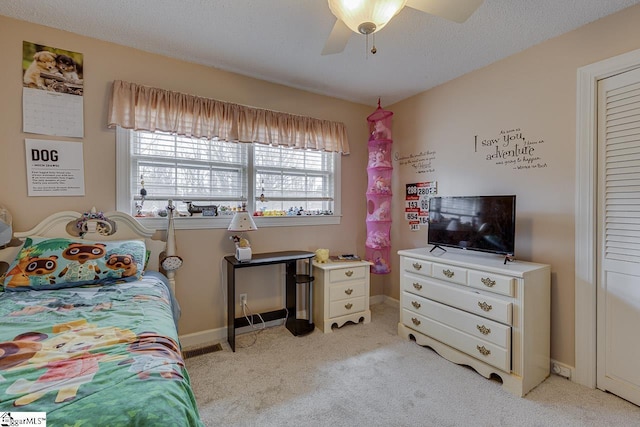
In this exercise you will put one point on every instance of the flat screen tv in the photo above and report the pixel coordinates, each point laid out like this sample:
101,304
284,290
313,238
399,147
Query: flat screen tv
479,223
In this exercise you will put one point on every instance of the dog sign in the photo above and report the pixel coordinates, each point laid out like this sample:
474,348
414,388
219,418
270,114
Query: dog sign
54,168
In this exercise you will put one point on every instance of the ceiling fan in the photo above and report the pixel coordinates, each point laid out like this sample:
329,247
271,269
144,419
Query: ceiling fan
370,16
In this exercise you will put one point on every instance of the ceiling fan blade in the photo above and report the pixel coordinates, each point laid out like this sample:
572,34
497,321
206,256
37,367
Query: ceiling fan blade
453,10
338,38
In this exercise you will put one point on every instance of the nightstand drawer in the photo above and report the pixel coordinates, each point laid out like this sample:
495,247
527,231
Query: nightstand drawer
347,290
449,273
491,282
344,307
343,274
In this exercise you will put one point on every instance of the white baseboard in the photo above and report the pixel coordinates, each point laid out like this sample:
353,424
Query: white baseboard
219,335
203,338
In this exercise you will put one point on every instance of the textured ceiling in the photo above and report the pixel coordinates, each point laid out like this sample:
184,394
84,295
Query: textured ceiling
281,40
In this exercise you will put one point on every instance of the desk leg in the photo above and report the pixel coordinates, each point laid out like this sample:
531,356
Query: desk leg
231,307
290,296
296,326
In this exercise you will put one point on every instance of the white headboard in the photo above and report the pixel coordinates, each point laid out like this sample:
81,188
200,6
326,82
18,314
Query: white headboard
97,226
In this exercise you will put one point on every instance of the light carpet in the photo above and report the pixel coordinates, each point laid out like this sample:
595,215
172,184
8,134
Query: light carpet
366,375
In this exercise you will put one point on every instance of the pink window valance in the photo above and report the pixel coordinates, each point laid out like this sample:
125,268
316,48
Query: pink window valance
140,107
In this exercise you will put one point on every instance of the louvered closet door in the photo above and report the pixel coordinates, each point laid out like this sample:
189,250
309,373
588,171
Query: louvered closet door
618,334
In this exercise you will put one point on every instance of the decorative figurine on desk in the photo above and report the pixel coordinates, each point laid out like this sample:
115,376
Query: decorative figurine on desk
243,248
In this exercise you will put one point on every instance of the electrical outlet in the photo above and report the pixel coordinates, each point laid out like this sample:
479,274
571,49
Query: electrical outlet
243,299
560,369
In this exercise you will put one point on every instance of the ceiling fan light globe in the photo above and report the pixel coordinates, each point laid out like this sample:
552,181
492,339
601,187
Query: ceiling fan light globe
357,14
367,28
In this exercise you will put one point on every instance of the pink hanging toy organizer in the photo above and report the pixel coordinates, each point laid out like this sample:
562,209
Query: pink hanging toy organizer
379,170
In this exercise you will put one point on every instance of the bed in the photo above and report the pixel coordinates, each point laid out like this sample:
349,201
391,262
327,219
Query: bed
89,324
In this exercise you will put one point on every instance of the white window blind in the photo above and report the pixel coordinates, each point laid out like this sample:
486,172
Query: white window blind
273,181
187,169
287,179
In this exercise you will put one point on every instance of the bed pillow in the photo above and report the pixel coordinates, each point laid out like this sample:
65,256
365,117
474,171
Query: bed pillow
56,263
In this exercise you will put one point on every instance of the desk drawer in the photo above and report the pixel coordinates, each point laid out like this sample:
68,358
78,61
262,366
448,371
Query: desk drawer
478,348
346,291
477,326
342,274
347,306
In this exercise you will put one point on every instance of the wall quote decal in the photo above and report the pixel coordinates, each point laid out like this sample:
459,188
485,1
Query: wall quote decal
422,162
511,148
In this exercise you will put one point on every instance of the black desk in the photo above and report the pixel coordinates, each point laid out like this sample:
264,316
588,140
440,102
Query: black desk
296,326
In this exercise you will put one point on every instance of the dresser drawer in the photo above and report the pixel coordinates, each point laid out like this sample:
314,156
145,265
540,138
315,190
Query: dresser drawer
347,306
480,349
347,290
342,274
477,326
472,302
491,282
416,266
450,273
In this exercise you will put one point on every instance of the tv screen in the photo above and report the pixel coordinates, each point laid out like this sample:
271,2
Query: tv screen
479,223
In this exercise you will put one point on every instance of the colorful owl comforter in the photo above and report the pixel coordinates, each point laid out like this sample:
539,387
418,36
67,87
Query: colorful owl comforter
95,355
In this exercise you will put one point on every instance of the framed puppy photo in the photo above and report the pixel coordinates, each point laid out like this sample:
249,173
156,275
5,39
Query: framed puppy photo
52,90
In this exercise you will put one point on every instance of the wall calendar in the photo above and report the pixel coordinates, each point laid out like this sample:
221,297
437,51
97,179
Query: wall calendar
52,92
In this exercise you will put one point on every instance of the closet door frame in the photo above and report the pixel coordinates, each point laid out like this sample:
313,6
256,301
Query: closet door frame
585,209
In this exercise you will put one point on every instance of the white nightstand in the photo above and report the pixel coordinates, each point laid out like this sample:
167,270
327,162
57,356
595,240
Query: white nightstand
340,293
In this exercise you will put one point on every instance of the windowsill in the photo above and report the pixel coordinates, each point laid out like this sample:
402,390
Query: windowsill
199,223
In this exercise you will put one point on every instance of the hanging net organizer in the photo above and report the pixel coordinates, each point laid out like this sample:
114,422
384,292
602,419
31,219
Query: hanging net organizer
379,171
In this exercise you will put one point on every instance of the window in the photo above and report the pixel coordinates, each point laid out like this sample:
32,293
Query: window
208,180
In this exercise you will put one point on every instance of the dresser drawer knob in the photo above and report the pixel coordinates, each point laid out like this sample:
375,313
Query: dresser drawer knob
348,306
417,285
348,291
416,304
483,305
483,350
417,266
448,273
483,329
348,273
488,282
415,321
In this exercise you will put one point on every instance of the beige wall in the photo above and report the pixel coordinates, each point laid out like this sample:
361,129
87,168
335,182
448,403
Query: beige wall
534,91
198,289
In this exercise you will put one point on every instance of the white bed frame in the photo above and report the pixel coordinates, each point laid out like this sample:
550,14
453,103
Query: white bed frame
63,224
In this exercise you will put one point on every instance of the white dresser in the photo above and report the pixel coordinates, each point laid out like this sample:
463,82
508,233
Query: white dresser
340,293
474,309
